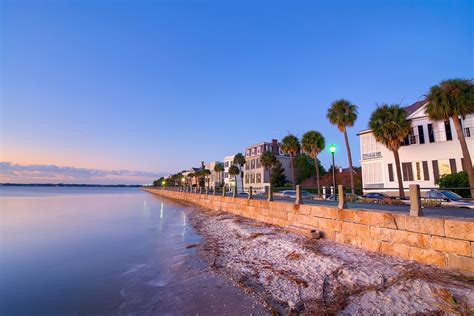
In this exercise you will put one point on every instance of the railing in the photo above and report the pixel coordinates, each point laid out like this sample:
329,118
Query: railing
414,201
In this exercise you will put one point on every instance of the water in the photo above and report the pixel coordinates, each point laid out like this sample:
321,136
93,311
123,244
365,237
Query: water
89,251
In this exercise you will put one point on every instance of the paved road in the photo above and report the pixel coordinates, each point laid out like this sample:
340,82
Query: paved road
433,211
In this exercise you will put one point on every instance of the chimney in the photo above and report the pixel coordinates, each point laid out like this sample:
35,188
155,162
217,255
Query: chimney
275,147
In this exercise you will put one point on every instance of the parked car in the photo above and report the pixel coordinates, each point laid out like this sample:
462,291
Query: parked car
378,196
292,194
349,197
449,198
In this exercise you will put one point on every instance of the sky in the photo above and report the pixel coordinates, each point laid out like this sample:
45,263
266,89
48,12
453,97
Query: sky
138,89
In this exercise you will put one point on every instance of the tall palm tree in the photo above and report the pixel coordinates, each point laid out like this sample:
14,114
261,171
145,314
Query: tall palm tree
343,114
206,174
390,126
268,160
219,168
291,145
453,99
234,171
239,160
312,144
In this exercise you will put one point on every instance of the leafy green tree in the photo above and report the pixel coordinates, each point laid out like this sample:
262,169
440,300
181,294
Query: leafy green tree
158,182
219,168
278,175
305,168
239,160
390,126
312,144
455,180
343,114
268,160
291,145
453,99
234,171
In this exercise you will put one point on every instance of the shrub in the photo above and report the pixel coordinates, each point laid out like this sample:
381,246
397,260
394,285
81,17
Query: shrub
455,180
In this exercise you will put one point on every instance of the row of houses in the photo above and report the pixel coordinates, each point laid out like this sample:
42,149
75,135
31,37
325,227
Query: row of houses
254,174
430,151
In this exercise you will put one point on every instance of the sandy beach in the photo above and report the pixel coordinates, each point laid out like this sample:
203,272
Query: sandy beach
293,274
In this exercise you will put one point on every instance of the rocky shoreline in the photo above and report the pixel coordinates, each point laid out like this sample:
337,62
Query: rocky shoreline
291,274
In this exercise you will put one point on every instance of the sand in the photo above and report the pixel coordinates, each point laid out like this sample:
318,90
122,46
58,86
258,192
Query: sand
293,274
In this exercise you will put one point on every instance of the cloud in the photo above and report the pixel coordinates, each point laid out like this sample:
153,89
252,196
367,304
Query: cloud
16,173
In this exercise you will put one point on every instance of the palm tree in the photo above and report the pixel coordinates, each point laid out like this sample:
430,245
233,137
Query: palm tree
206,174
452,99
390,126
343,114
268,160
219,168
234,171
291,145
313,143
239,160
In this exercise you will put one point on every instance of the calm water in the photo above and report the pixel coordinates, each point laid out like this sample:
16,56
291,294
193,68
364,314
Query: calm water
103,251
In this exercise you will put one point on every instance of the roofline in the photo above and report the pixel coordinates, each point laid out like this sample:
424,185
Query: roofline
365,131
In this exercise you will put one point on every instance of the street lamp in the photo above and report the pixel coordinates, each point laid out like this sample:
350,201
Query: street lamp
332,149
163,183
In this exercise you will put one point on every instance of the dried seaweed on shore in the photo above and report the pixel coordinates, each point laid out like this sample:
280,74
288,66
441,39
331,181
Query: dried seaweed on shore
296,275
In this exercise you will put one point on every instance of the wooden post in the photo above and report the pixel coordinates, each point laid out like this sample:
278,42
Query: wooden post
415,200
269,193
250,192
341,197
298,199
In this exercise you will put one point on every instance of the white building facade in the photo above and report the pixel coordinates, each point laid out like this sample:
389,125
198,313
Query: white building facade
216,178
431,150
229,180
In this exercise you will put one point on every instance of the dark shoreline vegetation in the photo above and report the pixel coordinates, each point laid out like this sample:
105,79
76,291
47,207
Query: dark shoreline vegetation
70,185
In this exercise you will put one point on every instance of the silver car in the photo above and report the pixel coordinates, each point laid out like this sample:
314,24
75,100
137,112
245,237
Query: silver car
449,198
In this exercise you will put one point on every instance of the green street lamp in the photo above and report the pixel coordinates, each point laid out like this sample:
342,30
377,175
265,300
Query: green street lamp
163,183
332,149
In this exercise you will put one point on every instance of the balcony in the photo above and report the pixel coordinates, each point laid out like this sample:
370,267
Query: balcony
372,155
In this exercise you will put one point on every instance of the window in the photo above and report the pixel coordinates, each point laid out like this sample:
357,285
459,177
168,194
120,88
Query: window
447,129
226,174
390,172
257,163
259,178
431,133
370,147
444,167
252,178
407,171
372,173
246,178
418,171
252,164
426,174
421,134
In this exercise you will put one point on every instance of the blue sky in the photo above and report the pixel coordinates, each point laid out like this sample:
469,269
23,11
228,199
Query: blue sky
158,86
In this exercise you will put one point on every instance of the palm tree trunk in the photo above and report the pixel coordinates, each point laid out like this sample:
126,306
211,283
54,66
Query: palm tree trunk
401,192
242,178
349,157
465,153
270,175
317,175
293,173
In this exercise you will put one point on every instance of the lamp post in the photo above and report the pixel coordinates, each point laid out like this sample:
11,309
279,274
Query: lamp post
332,149
163,183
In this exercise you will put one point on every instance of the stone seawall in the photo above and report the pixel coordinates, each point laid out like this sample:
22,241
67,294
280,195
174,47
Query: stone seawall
447,243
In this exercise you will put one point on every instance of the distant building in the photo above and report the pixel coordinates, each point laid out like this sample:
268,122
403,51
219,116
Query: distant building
257,176
216,178
431,150
229,181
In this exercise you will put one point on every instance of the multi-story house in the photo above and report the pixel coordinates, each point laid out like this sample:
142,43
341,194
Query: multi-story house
431,150
257,176
216,178
229,180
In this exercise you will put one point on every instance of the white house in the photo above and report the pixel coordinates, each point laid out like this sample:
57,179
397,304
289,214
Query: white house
229,181
216,177
431,150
